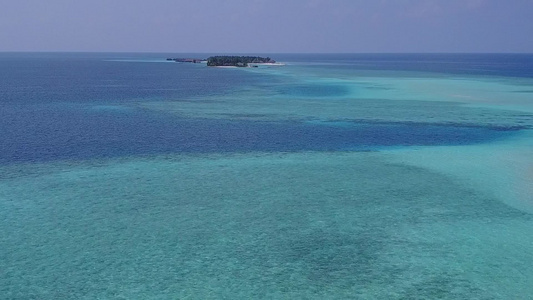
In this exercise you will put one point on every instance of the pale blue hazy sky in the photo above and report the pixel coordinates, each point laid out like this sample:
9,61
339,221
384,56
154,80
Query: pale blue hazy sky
248,26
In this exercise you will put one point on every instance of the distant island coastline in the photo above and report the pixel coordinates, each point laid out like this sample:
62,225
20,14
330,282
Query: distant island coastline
188,60
231,61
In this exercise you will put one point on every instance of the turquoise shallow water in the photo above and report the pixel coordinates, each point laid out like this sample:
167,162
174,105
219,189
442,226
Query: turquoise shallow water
279,228
323,179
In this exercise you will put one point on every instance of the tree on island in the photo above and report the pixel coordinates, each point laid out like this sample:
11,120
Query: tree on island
236,61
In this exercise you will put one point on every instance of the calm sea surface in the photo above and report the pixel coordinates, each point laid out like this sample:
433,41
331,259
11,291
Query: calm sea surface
338,176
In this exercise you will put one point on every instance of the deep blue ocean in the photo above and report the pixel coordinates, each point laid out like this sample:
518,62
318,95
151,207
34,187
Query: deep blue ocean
335,176
80,106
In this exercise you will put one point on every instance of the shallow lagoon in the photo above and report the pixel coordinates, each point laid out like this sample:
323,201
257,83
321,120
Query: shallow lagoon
131,180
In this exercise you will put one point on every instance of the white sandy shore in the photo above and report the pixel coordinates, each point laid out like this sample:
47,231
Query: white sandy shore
254,65
265,64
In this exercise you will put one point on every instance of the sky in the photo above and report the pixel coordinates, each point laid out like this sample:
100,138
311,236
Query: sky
267,26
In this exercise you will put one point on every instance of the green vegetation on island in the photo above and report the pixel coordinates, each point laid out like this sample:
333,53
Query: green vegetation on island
237,61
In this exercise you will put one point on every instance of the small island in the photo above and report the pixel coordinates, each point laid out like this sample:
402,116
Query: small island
230,61
239,61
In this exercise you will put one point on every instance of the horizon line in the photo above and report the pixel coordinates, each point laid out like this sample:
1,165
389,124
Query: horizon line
226,52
